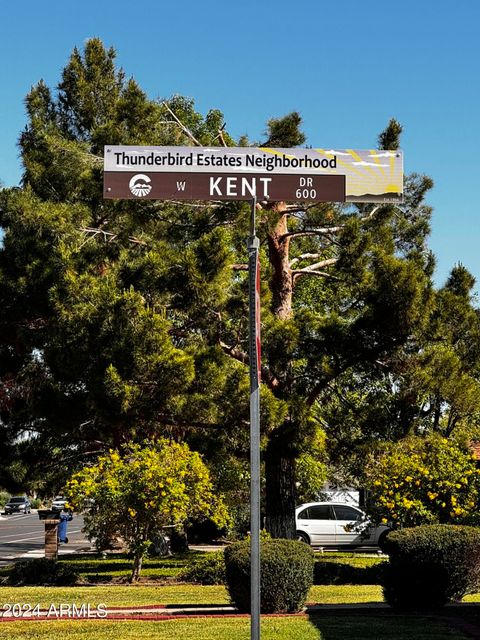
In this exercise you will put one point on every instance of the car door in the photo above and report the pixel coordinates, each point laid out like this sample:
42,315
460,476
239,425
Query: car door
349,529
318,521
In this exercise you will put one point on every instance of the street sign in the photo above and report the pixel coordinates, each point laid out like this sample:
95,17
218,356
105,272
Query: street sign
240,173
224,186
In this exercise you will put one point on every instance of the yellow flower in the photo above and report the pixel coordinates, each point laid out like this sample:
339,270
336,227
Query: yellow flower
408,479
132,512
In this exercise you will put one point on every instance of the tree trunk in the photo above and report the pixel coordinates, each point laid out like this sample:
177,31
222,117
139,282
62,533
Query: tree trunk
137,566
282,281
280,489
280,454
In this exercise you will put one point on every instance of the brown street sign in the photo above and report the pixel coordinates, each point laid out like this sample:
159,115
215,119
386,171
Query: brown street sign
224,186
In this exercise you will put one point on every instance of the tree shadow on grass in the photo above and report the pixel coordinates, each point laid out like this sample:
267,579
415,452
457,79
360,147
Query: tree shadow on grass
377,625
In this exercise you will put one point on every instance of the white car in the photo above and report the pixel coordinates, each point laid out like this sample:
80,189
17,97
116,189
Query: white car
58,503
334,524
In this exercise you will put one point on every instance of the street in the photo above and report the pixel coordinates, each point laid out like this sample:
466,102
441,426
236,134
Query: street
23,536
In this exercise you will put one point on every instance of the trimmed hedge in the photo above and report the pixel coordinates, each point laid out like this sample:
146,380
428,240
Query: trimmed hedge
286,575
431,565
207,570
42,571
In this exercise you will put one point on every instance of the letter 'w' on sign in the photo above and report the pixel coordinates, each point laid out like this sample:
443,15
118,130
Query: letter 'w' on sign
181,186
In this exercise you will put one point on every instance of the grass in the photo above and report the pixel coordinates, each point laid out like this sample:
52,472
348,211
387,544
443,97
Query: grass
124,596
351,558
323,627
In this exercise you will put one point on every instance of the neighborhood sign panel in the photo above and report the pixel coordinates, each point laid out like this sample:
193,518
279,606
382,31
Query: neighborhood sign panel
240,173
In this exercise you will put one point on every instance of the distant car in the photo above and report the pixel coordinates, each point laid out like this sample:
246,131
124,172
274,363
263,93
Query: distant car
17,504
335,524
58,503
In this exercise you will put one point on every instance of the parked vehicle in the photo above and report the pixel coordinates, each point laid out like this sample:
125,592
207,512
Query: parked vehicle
58,503
17,504
336,524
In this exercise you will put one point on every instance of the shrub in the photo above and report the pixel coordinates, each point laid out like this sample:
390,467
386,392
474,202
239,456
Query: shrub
36,503
42,571
431,565
207,570
286,569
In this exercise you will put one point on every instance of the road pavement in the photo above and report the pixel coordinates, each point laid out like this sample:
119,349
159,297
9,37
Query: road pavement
23,536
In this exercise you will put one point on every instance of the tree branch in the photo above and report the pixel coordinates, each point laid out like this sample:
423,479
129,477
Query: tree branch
324,231
108,236
270,380
183,127
298,274
304,256
316,266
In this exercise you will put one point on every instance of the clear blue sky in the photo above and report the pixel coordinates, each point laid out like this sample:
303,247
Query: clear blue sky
346,66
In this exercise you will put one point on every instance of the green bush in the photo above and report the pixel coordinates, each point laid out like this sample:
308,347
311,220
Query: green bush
431,565
36,503
41,571
286,569
4,498
207,570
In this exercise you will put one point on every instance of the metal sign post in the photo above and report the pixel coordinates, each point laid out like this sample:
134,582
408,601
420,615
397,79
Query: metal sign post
254,338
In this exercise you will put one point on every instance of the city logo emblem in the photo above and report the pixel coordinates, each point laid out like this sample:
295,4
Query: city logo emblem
140,185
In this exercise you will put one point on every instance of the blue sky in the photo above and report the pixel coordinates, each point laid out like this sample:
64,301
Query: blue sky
347,67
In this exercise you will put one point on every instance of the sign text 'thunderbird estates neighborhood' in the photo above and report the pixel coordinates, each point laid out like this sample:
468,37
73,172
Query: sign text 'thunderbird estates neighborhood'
240,173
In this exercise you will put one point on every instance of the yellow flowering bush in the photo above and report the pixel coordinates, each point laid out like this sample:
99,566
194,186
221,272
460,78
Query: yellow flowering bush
141,489
422,480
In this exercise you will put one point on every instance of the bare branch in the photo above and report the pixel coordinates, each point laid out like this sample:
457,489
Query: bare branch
297,274
183,127
324,231
270,380
240,267
304,256
316,266
108,236
237,354
372,213
220,135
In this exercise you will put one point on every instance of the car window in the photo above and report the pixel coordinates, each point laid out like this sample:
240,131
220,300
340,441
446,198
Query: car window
17,500
344,512
303,515
320,512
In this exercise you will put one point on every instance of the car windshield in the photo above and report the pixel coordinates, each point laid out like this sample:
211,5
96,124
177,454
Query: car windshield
61,498
17,500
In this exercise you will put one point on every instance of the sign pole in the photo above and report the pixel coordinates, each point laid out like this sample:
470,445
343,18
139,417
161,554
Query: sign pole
254,334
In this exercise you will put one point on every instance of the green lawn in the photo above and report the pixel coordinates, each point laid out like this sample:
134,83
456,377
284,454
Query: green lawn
325,627
124,596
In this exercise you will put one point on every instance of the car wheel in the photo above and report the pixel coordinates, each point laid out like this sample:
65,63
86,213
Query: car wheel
303,537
